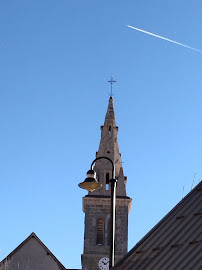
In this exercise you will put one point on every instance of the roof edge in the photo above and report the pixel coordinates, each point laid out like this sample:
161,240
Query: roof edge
196,188
33,235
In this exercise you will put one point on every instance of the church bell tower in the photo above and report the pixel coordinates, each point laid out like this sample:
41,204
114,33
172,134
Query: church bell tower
96,205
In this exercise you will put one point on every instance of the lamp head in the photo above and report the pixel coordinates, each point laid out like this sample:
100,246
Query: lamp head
90,182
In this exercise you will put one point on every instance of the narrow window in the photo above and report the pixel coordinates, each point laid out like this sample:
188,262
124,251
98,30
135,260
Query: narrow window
110,130
100,231
107,181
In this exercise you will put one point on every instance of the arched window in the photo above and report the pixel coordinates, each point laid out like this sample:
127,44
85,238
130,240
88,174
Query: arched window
100,231
107,181
110,130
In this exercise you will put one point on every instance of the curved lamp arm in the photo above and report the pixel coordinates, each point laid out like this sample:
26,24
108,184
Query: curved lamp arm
113,166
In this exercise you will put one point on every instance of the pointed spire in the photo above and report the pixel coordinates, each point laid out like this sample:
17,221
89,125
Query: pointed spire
121,172
109,142
109,147
110,115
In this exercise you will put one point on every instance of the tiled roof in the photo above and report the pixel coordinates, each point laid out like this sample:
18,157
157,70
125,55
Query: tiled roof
175,243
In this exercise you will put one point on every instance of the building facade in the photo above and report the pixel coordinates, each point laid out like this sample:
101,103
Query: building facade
31,254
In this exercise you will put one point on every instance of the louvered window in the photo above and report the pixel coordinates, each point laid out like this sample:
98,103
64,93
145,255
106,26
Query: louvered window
100,231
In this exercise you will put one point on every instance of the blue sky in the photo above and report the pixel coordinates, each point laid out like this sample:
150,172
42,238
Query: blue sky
55,60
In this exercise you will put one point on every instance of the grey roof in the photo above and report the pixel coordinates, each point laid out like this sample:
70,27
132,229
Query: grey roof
175,243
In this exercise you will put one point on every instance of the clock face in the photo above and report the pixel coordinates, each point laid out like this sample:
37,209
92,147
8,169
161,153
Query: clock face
104,263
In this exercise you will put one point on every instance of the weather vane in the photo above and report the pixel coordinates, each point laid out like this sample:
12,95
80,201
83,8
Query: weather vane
111,81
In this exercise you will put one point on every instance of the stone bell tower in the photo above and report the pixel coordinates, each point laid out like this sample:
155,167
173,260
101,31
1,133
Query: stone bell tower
96,205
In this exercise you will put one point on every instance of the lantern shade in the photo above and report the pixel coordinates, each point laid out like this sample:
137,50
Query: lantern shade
90,182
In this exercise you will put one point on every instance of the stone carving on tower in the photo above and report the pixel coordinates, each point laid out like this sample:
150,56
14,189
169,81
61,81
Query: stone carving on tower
96,205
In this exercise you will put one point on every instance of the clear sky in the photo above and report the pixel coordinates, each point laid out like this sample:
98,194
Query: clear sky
55,60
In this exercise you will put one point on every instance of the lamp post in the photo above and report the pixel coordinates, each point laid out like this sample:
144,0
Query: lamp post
92,184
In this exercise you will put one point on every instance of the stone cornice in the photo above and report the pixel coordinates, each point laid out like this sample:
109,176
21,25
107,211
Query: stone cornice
97,200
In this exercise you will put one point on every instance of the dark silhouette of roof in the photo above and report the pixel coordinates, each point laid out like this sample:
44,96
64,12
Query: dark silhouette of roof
175,243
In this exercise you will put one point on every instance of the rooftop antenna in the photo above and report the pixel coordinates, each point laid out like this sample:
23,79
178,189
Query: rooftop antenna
111,81
193,180
183,192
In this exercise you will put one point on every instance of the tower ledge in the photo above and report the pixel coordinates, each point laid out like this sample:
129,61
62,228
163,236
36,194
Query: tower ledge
103,201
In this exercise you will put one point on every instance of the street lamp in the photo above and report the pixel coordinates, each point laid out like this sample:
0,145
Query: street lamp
92,184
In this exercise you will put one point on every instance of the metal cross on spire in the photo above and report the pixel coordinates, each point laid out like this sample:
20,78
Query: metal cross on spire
111,81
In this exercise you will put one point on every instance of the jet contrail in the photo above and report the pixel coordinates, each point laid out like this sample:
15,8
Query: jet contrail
151,34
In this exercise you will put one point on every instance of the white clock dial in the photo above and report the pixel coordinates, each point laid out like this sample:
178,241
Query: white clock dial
104,263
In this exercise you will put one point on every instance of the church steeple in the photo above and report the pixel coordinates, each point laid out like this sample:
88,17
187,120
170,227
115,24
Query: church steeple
97,204
109,147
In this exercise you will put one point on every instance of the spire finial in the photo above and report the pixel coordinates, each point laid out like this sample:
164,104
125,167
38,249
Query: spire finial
111,81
